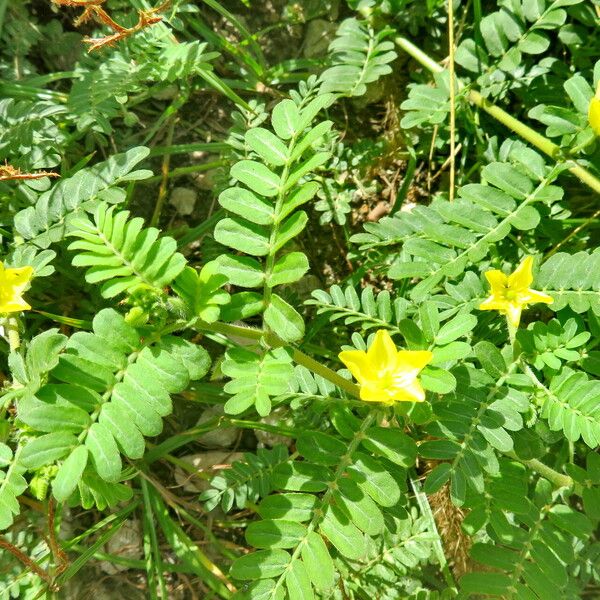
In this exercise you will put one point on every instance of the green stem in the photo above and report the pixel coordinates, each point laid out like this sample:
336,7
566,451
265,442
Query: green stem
316,367
299,356
179,172
557,479
526,132
270,262
11,326
166,164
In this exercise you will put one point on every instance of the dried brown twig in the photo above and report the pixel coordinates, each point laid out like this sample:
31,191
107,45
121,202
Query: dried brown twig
10,173
93,10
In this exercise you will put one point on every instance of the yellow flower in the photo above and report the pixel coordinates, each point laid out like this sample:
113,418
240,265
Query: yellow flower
12,284
386,374
594,114
511,293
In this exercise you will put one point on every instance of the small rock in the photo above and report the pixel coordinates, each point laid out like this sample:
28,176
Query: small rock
183,199
206,180
127,543
379,210
207,464
266,438
223,437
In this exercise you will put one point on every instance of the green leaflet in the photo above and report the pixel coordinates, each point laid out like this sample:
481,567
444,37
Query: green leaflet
248,480
260,565
284,320
572,404
262,224
275,533
255,378
360,56
202,292
12,485
332,506
572,280
122,254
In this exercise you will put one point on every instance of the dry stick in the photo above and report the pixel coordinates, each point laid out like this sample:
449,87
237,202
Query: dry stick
452,97
60,557
526,132
30,564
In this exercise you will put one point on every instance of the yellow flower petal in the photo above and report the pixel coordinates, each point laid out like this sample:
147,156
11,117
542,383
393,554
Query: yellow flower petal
13,283
358,364
532,296
407,360
372,392
18,277
594,115
410,392
493,303
522,277
513,313
386,374
15,305
497,280
382,353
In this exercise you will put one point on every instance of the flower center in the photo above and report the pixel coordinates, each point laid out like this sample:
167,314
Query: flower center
510,294
395,379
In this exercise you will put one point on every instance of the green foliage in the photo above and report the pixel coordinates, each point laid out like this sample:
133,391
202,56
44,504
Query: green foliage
571,403
439,241
360,56
508,38
575,279
122,254
264,216
256,378
29,133
95,396
552,344
49,221
569,124
532,554
246,482
489,487
359,483
368,310
12,485
98,96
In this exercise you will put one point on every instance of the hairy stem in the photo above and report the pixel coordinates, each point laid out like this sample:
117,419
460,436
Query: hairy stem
11,326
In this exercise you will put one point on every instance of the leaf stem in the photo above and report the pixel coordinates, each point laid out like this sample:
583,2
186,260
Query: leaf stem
270,262
557,479
302,359
319,514
11,327
162,190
